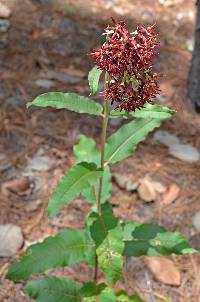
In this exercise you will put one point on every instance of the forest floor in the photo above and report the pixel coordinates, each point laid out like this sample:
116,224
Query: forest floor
37,145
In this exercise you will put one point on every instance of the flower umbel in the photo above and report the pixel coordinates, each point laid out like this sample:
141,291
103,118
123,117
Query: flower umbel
127,58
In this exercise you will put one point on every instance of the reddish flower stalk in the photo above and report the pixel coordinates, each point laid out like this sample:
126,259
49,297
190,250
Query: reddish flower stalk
127,57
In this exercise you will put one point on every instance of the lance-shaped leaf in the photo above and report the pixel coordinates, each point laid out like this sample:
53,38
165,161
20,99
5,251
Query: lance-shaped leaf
123,142
54,289
86,150
148,111
102,223
70,101
153,240
67,248
93,78
72,184
110,255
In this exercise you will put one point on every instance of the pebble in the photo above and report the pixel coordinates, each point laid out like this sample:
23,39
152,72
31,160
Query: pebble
11,239
125,182
146,190
4,25
63,77
196,221
185,152
166,138
47,84
5,12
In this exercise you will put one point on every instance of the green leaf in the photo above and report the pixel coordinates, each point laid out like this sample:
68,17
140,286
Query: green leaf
148,111
72,184
123,142
90,194
153,240
110,255
93,78
123,297
66,248
70,101
102,223
53,289
90,289
107,295
86,150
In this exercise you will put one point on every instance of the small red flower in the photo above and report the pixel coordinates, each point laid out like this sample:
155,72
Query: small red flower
127,57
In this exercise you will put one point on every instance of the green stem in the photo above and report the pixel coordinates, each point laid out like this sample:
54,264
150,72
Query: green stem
103,141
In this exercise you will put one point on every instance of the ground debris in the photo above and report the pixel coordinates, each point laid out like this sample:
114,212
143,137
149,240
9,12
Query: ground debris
164,270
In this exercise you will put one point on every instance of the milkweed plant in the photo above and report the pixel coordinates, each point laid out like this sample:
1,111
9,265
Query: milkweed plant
130,84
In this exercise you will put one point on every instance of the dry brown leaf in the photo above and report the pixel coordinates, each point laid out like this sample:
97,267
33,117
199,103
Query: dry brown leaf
164,270
19,186
171,194
146,190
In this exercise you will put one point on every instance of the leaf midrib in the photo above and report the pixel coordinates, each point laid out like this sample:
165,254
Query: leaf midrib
130,137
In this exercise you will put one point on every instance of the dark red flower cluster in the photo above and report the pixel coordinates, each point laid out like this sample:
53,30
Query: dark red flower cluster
127,57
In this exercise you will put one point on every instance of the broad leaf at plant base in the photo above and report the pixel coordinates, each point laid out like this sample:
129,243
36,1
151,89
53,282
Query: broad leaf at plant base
93,78
123,297
153,240
66,248
69,101
54,289
122,143
90,289
110,255
148,111
107,295
74,181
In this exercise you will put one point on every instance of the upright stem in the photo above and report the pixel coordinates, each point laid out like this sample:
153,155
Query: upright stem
103,141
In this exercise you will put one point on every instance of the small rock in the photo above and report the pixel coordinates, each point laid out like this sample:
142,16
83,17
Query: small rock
166,138
11,239
185,152
40,162
47,84
171,194
196,221
63,77
164,270
4,25
160,188
125,182
146,190
5,12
